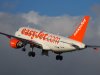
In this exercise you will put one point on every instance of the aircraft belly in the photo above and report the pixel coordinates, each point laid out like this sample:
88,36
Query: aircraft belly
62,48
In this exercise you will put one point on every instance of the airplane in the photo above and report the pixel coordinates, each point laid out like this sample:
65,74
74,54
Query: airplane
48,41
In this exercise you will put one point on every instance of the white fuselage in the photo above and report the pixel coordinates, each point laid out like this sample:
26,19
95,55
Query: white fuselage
49,41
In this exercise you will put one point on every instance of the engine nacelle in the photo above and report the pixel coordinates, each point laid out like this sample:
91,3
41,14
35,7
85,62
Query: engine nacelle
15,43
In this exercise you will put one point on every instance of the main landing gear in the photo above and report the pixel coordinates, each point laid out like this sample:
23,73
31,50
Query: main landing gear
31,53
59,57
24,49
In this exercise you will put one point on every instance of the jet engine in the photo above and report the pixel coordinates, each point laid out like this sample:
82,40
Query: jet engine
15,43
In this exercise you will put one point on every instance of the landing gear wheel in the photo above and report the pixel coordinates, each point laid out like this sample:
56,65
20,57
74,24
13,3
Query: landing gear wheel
31,54
58,57
61,58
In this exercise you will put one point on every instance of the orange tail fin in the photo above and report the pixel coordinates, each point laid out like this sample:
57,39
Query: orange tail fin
79,33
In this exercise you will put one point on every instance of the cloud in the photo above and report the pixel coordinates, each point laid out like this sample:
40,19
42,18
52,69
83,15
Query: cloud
9,23
94,25
64,25
57,24
96,10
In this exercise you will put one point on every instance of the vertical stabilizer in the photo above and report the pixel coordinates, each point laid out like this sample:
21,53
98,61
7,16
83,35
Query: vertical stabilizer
79,33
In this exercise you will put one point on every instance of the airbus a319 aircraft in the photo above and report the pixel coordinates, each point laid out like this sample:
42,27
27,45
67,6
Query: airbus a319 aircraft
50,42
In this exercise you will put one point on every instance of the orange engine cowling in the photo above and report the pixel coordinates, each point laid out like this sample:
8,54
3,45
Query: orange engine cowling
15,43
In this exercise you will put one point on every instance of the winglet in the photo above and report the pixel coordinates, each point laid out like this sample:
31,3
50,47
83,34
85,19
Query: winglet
79,33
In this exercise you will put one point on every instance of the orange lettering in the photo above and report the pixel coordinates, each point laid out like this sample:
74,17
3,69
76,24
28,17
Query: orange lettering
40,35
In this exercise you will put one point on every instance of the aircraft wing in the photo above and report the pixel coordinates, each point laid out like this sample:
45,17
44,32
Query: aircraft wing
22,39
92,46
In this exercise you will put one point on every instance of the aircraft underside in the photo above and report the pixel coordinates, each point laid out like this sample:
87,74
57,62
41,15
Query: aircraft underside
46,52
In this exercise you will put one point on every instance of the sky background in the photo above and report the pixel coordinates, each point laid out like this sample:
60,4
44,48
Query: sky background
56,16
